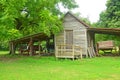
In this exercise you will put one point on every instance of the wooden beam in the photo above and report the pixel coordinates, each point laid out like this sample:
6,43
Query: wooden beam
56,51
39,48
12,48
73,51
31,47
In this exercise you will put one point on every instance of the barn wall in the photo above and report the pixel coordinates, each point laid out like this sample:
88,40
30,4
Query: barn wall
79,32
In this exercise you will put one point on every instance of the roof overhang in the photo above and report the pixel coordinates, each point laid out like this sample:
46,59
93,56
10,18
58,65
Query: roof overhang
112,31
35,38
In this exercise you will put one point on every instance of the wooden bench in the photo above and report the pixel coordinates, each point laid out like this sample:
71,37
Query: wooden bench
105,45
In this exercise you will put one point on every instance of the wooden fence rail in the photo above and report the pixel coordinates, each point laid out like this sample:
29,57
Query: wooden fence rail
68,51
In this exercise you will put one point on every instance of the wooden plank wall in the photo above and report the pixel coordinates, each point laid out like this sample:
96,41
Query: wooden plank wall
79,33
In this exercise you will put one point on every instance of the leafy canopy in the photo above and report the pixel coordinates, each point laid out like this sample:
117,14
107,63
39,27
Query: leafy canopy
24,17
32,16
110,18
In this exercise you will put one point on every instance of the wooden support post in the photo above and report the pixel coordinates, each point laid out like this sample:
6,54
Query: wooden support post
92,41
20,51
61,50
39,48
73,51
89,44
31,47
56,47
12,48
48,45
81,53
56,52
97,49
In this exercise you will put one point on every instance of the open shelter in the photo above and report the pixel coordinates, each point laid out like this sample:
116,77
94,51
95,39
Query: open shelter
31,39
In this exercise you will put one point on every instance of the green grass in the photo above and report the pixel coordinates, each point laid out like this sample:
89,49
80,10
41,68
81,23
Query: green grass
4,52
14,67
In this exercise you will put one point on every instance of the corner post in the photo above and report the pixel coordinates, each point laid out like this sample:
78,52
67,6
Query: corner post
12,48
31,46
40,48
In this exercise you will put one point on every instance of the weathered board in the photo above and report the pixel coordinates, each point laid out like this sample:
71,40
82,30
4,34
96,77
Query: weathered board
79,35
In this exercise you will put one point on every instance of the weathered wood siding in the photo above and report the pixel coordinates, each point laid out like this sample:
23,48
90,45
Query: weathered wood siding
59,38
79,32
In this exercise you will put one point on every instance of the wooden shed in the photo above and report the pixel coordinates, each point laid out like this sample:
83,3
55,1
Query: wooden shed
29,42
74,34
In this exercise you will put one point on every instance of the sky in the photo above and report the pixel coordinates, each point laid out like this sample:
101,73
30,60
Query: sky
89,9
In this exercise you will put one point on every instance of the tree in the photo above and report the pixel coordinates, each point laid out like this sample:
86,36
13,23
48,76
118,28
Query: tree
23,17
109,18
31,16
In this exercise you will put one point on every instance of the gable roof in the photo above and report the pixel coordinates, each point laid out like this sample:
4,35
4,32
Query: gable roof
83,23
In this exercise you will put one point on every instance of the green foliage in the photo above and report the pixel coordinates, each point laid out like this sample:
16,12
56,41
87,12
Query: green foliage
14,34
33,16
24,17
110,18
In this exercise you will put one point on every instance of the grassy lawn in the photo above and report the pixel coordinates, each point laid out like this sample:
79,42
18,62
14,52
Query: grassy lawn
4,52
48,68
